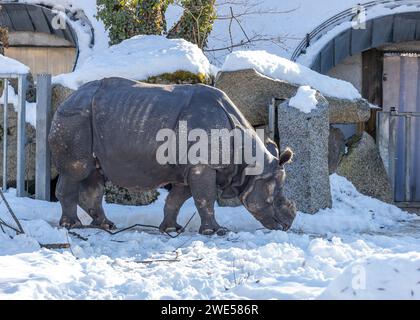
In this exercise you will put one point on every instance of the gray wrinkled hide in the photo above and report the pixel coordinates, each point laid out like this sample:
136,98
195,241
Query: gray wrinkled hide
307,135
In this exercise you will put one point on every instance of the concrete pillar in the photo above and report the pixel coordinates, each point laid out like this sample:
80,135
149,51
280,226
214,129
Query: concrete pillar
307,177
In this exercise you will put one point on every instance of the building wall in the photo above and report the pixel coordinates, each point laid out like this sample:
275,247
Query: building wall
349,70
53,60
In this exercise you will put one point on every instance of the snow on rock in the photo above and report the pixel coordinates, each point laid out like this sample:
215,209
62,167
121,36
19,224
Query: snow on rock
139,58
12,66
318,253
385,276
304,100
283,69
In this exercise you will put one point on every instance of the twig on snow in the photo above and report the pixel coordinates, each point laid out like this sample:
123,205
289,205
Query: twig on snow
54,246
113,233
77,235
20,229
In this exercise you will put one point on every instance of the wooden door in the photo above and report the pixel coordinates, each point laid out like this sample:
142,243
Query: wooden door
52,60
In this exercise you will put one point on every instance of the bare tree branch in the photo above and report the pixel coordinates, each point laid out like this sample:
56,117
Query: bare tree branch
20,229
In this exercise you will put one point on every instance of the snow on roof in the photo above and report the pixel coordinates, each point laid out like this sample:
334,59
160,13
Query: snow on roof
139,58
81,28
11,66
283,69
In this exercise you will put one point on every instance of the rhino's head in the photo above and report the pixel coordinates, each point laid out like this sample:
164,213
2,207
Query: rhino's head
264,194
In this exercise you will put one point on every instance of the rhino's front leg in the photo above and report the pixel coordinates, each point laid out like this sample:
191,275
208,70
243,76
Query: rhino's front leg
174,201
202,182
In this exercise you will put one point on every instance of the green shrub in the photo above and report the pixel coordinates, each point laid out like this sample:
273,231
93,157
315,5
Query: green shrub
127,18
196,22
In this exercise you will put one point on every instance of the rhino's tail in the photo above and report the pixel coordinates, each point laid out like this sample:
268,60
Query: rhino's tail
71,136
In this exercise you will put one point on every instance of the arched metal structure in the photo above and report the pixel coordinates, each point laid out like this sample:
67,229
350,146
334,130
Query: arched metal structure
19,17
392,28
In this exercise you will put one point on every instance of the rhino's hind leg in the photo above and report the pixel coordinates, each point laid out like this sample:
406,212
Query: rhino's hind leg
176,198
67,192
91,192
202,181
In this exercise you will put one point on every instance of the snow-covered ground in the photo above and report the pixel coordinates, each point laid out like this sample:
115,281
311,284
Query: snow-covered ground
361,248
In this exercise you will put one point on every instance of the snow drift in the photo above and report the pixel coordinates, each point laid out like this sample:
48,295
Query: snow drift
315,260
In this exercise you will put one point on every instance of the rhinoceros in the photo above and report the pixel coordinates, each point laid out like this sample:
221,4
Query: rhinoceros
107,130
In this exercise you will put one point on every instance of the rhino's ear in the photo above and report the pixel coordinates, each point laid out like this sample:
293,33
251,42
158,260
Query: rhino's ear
272,147
286,157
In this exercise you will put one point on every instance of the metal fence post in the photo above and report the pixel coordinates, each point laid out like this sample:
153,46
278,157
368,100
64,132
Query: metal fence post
5,127
393,147
43,122
21,138
408,155
271,118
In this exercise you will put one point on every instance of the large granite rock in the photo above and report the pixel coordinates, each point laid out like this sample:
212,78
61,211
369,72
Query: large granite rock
233,202
59,94
307,177
336,148
116,194
252,92
363,166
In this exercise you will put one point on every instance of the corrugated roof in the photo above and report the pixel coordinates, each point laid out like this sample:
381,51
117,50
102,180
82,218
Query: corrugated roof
395,28
33,18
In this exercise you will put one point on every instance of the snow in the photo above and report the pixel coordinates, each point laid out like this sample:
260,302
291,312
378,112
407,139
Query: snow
13,99
139,58
283,69
11,66
360,245
396,273
304,100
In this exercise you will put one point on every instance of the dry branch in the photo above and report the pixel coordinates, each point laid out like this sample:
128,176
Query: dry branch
20,229
54,246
